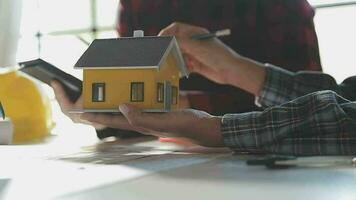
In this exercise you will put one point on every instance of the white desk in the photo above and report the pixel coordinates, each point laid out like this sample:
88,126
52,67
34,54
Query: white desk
40,172
135,169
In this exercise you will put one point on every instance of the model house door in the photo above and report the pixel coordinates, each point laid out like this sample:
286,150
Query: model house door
98,92
167,95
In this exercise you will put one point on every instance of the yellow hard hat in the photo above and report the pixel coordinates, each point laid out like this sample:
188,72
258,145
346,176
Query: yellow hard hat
27,107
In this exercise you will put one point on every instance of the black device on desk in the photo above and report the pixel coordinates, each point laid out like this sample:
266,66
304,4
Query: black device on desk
47,72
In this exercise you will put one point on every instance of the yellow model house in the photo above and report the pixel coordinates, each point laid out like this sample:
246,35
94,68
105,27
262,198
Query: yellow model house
139,70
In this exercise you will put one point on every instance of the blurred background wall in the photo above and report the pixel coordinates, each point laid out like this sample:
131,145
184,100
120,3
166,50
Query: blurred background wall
55,30
10,17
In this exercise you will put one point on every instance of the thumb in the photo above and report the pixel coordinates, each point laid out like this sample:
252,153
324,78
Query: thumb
61,95
131,113
195,65
153,122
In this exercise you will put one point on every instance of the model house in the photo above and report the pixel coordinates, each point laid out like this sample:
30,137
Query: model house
143,71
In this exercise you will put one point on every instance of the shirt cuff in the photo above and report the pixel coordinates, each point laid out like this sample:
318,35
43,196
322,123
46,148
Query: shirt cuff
274,89
237,132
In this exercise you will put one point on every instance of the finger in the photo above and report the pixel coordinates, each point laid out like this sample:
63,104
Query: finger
172,29
182,30
79,102
61,95
189,60
111,121
166,32
146,123
119,122
114,121
179,141
195,65
154,122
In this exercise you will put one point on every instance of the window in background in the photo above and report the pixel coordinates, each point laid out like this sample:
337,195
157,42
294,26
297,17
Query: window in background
59,31
28,44
334,23
107,13
64,15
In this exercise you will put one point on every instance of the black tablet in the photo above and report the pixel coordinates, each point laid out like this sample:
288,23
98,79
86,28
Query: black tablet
47,72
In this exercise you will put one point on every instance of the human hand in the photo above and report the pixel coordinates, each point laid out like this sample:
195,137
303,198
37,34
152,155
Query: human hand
66,104
216,61
196,126
184,101
210,58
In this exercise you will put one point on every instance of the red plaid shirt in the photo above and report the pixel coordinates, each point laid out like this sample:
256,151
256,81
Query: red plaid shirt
280,32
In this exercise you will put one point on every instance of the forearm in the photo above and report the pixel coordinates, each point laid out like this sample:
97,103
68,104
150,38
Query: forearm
246,74
315,124
281,86
273,85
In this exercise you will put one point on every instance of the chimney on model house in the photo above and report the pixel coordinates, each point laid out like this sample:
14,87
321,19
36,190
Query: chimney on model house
138,33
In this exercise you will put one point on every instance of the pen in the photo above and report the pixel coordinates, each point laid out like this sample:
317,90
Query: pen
280,162
332,161
211,35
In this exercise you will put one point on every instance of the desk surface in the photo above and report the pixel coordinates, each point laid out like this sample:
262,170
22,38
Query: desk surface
140,169
135,169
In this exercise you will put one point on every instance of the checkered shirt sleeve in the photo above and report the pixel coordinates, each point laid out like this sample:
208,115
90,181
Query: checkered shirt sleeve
282,85
320,123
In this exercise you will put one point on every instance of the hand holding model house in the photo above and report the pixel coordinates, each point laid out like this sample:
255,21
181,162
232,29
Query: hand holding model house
143,71
131,75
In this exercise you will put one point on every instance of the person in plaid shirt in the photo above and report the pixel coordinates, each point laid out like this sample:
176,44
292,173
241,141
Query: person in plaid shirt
280,32
305,113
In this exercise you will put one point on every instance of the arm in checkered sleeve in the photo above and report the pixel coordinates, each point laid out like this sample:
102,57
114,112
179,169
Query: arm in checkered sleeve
282,86
320,123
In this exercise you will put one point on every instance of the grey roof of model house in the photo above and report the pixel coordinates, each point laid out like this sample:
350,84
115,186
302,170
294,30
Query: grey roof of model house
131,53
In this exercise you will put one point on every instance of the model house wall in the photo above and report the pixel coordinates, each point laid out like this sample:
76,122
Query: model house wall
122,85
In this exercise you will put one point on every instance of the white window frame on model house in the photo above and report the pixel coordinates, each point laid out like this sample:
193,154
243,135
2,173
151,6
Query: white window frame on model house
137,93
98,92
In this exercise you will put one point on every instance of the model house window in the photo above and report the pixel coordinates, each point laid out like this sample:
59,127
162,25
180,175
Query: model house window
174,95
98,92
160,92
137,91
